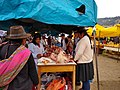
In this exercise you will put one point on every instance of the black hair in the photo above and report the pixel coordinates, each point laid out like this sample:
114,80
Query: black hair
15,41
62,34
70,36
37,35
77,29
85,34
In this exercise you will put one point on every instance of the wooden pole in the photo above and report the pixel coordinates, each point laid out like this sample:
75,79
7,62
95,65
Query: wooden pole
74,45
95,54
98,47
118,48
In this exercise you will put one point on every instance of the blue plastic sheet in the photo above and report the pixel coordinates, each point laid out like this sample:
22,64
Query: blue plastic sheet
50,11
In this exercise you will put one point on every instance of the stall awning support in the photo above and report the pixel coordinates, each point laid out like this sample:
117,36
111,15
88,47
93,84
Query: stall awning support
95,56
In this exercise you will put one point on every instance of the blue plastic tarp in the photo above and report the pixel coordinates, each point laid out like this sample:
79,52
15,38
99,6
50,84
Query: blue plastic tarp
50,11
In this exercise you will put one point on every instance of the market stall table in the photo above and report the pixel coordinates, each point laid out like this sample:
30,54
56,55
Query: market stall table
60,67
115,52
116,49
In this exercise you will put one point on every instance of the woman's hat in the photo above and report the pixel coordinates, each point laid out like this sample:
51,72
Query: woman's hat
17,32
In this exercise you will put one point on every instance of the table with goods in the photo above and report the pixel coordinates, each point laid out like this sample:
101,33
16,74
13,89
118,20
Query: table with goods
112,50
56,70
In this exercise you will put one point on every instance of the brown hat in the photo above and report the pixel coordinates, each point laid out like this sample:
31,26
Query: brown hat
17,32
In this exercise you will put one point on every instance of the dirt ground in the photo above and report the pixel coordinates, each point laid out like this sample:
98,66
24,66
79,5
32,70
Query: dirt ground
109,74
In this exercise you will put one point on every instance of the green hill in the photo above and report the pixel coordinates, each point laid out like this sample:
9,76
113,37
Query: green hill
110,21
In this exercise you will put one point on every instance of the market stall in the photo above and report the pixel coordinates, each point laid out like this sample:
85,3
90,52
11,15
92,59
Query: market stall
53,67
77,13
56,60
112,50
102,32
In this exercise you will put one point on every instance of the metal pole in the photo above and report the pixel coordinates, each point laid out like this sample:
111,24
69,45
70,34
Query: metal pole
95,53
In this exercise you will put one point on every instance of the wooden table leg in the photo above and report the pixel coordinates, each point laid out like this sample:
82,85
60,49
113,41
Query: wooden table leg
39,76
74,78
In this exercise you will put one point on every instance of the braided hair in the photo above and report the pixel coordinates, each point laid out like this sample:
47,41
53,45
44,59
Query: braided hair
85,34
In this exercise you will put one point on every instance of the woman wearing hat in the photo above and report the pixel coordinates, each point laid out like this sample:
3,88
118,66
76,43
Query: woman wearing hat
84,59
17,66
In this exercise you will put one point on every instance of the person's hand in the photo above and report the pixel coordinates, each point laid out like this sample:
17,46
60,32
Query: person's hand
37,87
45,55
76,61
39,55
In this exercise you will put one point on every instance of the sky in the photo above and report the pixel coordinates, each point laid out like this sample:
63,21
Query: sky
108,8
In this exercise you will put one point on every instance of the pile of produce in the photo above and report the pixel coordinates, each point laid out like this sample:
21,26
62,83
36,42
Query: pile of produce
57,55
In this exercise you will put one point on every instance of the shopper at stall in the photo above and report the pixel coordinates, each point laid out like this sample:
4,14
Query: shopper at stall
76,38
49,41
36,47
84,59
43,41
0,40
64,41
70,45
17,68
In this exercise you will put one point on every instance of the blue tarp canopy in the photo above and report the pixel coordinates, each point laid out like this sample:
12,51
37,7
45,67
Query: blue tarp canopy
50,11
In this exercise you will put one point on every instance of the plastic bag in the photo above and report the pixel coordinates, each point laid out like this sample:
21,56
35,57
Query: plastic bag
57,84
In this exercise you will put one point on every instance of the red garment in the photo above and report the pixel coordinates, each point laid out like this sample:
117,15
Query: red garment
33,88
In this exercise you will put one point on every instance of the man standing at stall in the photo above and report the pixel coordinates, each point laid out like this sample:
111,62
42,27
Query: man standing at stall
63,42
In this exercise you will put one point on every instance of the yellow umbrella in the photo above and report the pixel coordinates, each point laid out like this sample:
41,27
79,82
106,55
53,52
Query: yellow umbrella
111,31
99,29
105,32
118,25
118,28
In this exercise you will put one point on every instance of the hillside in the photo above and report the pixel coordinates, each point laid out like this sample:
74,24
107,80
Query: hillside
109,21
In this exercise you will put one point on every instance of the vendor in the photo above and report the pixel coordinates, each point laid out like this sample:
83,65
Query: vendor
36,47
84,59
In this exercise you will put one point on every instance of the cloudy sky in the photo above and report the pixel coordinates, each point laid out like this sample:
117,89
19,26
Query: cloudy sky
108,8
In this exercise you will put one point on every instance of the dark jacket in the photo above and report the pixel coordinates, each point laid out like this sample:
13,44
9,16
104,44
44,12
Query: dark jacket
27,76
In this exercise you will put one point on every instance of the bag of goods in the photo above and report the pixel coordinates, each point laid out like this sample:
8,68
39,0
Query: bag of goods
57,84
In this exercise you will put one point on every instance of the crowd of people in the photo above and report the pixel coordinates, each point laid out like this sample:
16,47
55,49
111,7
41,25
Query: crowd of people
19,56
